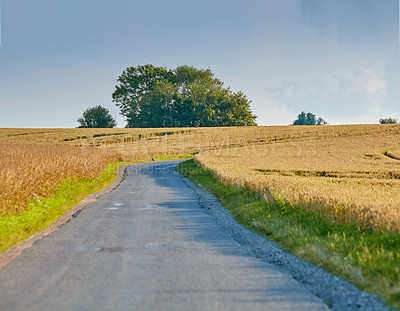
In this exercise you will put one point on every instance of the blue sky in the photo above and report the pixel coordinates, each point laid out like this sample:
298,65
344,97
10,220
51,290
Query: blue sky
336,58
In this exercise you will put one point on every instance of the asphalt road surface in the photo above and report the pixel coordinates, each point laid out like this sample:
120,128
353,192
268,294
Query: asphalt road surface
147,245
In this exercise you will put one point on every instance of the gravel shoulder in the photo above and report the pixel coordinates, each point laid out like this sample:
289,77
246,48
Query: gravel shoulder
336,292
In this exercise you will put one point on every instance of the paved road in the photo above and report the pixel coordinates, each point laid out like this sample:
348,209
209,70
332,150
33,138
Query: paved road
147,245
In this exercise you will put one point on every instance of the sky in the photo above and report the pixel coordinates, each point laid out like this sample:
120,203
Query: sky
338,59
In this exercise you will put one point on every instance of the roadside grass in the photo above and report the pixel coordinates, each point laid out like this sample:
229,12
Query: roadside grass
43,212
173,157
368,259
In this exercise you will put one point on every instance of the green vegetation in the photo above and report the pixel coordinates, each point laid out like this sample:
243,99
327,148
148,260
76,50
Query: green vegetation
388,121
152,96
308,119
97,117
370,260
42,213
173,157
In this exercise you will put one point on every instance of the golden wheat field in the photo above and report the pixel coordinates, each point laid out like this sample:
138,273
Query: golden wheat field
30,171
350,173
346,173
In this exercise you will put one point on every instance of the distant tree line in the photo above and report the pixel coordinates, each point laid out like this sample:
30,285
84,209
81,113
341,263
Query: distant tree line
388,121
150,96
308,119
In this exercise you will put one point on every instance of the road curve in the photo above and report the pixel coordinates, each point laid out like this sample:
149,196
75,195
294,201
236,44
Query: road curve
147,245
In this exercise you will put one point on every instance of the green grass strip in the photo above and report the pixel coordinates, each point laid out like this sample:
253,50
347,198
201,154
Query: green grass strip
42,213
173,157
369,260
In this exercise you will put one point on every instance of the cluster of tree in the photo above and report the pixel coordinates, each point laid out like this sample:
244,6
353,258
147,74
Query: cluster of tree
308,119
388,121
97,117
150,96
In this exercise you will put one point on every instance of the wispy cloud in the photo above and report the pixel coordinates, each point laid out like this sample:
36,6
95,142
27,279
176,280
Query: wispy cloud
369,81
358,91
359,81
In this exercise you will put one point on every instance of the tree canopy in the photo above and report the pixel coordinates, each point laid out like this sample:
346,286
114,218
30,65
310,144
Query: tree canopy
388,121
308,119
150,96
97,117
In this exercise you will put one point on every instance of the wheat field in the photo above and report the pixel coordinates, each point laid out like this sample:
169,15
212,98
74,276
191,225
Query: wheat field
29,171
347,173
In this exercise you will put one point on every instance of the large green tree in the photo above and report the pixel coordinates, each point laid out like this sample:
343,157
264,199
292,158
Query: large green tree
135,84
151,96
98,117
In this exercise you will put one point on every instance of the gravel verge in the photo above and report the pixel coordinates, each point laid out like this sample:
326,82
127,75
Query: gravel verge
336,292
